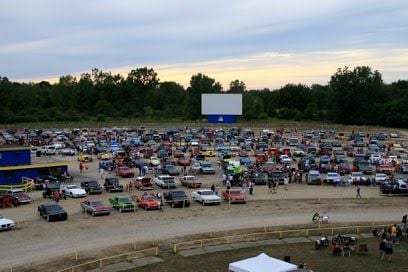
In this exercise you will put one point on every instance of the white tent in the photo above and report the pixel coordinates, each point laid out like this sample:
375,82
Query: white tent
261,263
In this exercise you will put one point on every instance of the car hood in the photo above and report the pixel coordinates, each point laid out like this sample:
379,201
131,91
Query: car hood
4,221
77,191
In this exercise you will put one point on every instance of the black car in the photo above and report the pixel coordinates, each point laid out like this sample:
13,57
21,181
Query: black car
40,181
91,187
177,199
52,212
112,185
277,176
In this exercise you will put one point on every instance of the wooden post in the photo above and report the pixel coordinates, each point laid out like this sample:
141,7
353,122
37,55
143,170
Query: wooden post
134,244
100,263
201,243
175,248
307,233
76,255
156,251
358,230
265,229
280,235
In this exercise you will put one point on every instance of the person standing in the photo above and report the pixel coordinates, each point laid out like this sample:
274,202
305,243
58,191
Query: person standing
388,249
285,183
81,167
102,172
251,187
358,192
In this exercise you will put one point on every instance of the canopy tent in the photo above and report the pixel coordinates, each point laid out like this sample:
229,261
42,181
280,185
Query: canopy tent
261,263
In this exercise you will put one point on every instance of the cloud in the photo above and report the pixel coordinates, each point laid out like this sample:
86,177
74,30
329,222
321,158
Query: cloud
47,38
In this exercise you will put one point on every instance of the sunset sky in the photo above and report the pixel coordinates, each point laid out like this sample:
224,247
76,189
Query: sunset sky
265,43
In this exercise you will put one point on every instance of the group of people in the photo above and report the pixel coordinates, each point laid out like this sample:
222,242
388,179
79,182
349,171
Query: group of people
391,236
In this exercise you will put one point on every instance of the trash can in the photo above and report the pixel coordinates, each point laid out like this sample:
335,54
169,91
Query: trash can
38,153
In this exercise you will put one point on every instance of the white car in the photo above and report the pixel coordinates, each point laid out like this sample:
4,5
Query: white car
206,196
380,178
73,191
154,161
285,159
357,177
374,158
165,182
67,152
6,224
394,135
333,178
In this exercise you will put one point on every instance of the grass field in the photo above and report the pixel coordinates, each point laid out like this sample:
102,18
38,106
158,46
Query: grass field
321,260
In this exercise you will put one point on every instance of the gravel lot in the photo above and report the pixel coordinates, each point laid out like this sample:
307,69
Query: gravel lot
36,240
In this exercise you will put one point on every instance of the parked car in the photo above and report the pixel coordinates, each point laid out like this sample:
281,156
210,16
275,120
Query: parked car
125,172
333,178
72,190
67,152
84,158
381,178
148,202
398,187
277,176
112,185
95,207
52,212
154,161
234,196
314,178
170,170
183,161
259,178
106,165
165,182
122,203
285,159
356,178
19,195
6,224
91,187
176,199
143,183
206,196
207,168
190,182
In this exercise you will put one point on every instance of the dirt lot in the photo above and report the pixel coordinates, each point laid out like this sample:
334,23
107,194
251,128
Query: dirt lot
36,241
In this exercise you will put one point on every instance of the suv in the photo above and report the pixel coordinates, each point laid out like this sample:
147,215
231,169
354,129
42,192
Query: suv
91,187
112,185
177,199
314,178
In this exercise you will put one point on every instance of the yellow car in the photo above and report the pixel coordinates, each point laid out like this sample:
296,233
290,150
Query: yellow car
209,153
105,156
84,158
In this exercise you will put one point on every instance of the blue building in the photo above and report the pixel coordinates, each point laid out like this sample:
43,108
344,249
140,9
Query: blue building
15,163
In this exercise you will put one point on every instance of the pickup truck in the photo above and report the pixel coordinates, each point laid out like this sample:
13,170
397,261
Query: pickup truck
176,199
95,207
398,187
91,187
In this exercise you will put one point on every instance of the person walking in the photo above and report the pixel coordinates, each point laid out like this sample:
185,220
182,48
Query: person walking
102,172
81,167
358,192
285,183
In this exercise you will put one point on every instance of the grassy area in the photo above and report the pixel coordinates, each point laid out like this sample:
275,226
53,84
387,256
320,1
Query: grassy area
300,253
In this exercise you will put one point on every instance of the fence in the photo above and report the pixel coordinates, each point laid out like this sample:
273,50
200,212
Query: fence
27,185
256,236
104,261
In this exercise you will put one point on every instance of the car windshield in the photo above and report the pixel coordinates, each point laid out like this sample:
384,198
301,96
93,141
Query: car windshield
93,183
234,192
1,217
53,208
178,194
206,164
381,175
149,197
357,175
207,192
72,187
96,203
332,174
123,199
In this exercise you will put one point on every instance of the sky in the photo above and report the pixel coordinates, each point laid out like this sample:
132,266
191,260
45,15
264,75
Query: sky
264,43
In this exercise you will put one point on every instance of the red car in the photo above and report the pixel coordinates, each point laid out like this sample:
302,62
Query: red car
184,161
178,154
143,183
19,195
148,202
125,172
261,158
234,196
385,168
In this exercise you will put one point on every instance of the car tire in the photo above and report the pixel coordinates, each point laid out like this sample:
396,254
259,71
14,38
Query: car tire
172,205
83,210
93,213
203,203
48,218
120,210
145,208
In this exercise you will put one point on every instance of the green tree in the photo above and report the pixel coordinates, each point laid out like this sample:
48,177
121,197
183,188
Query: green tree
237,86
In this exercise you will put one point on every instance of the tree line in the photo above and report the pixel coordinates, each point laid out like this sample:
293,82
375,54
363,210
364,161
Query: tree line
352,96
